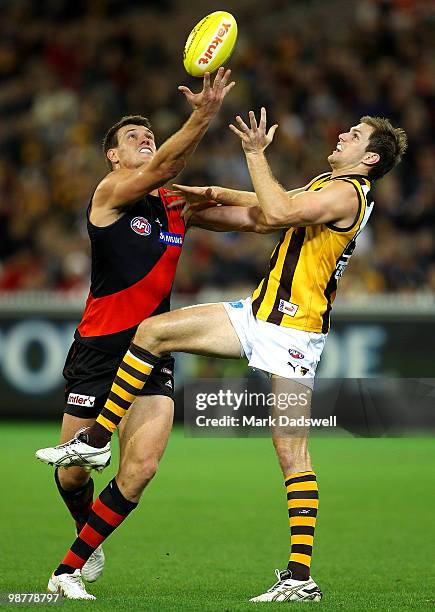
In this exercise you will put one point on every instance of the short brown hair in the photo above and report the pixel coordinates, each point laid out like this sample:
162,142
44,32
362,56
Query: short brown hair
389,142
110,140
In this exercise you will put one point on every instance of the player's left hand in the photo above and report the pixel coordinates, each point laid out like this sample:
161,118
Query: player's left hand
179,201
209,100
194,199
254,139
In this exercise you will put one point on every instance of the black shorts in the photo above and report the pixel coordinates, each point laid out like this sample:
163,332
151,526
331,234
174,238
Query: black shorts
89,374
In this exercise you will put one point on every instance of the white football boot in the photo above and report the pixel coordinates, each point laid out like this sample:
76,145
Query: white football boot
287,589
93,568
76,452
69,585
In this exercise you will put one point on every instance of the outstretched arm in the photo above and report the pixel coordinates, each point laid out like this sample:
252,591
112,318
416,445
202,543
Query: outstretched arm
222,210
123,186
221,195
335,203
228,219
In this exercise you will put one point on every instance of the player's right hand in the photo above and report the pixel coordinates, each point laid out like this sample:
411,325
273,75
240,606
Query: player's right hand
255,138
209,100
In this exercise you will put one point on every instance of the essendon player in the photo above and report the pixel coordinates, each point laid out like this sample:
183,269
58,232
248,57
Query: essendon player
136,242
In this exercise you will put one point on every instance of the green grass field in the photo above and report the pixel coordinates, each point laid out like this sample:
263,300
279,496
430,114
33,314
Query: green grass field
213,525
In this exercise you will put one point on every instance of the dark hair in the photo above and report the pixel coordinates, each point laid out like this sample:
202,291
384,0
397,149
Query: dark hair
110,140
389,142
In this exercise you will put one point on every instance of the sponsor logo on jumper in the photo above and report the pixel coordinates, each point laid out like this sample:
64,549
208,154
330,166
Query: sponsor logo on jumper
172,239
288,308
216,41
166,371
168,383
81,400
141,226
296,354
238,304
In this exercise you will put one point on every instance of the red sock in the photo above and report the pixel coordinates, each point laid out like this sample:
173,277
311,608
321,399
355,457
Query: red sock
108,512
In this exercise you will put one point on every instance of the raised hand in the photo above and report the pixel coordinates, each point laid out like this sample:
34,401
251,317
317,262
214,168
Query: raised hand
254,139
210,99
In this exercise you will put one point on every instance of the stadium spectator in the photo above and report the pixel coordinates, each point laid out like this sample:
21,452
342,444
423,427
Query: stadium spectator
63,79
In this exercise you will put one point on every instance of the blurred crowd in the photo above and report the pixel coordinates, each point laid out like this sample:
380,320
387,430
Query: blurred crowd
68,70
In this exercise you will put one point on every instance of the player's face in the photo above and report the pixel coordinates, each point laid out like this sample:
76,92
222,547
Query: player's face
136,146
351,149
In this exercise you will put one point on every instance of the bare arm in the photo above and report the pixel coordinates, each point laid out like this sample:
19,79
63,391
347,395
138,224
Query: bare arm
123,186
336,203
228,219
232,197
222,195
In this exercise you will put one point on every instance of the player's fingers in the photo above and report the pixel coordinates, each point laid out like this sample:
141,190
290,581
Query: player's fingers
253,121
236,131
177,203
225,77
242,124
174,194
263,118
206,82
271,132
228,88
187,188
185,90
218,78
185,210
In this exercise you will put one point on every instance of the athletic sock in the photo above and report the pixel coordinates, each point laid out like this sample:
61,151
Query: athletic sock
78,501
108,512
130,379
303,502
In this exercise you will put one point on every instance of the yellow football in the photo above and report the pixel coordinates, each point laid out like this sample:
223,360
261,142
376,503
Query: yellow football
210,43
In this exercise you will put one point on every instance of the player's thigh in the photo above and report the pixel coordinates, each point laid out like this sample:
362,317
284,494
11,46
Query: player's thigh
74,476
144,431
204,329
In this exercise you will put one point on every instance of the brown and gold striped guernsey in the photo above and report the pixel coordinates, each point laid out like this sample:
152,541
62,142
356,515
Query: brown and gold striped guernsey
306,264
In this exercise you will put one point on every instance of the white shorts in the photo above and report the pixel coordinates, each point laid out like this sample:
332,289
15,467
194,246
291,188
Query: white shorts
284,351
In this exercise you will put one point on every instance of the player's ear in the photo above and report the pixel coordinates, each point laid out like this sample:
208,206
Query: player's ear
371,158
112,156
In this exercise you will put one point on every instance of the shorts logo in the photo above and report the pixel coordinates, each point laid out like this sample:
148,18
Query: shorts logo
238,304
81,400
296,354
171,239
298,369
141,226
288,308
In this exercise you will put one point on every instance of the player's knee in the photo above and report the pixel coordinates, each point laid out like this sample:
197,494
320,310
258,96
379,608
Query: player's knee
150,333
72,478
134,475
144,468
293,457
147,469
